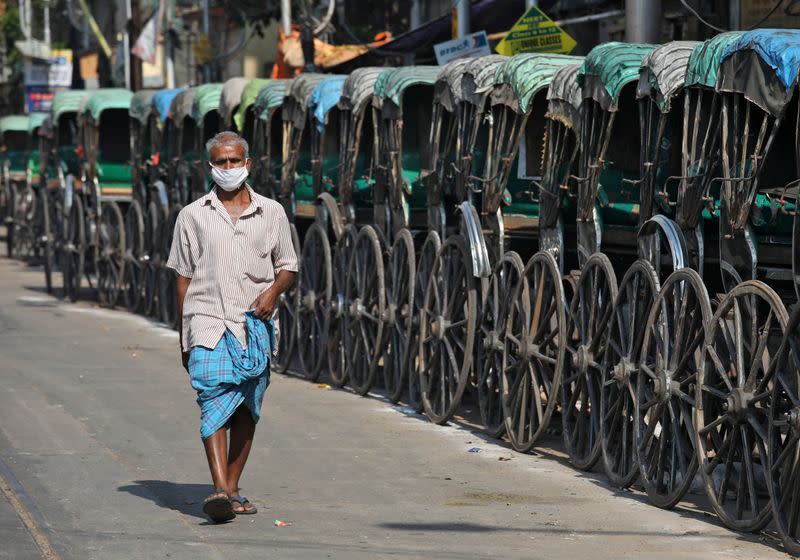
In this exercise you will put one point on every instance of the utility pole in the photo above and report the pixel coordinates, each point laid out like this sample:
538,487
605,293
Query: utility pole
307,36
207,33
169,47
47,37
415,16
643,21
135,63
286,17
463,18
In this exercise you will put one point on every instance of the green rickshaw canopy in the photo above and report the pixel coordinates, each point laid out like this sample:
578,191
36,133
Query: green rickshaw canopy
249,95
703,67
67,101
358,88
610,67
397,81
527,74
35,120
269,97
141,105
663,72
231,98
14,123
105,100
206,99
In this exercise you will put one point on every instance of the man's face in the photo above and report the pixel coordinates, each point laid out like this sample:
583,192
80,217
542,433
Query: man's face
228,156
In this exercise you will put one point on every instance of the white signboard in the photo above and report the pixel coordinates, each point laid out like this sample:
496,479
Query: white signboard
474,44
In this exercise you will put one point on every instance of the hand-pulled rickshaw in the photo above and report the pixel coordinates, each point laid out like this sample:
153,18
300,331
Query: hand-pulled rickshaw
15,144
95,223
60,165
295,193
267,147
458,143
379,287
145,141
357,144
315,277
28,222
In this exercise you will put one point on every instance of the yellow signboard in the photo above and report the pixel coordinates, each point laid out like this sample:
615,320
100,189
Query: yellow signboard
535,32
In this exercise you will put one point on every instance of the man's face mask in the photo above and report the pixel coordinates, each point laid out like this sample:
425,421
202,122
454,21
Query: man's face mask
229,179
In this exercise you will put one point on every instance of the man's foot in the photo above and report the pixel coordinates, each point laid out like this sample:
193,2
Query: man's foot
242,506
218,507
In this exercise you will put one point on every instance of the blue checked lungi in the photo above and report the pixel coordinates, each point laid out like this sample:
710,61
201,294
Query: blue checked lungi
228,375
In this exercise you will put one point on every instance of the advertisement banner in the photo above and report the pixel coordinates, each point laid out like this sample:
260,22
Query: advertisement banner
474,44
535,32
43,77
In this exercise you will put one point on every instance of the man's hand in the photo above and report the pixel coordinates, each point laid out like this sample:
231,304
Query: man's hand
185,361
264,305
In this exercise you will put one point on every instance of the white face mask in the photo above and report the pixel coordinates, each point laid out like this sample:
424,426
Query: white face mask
229,179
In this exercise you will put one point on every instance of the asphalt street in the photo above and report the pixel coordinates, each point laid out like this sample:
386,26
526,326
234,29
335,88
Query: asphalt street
100,457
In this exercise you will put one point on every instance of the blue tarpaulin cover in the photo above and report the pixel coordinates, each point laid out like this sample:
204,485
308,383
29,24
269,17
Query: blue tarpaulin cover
324,97
163,99
780,48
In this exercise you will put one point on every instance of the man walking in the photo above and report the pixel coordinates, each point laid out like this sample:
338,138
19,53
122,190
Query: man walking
233,254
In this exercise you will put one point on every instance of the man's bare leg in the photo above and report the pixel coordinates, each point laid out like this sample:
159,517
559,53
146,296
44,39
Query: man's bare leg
216,446
242,430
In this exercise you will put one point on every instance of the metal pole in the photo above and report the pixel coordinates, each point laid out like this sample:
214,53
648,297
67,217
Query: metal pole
126,45
169,47
735,15
463,15
415,16
530,4
286,17
643,21
207,33
47,38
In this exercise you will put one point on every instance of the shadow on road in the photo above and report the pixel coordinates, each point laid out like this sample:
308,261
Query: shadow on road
183,497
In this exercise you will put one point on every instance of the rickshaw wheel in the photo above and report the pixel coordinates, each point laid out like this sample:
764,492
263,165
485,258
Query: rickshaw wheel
734,396
166,279
632,307
587,335
152,263
11,205
286,319
490,341
783,464
134,249
24,223
73,253
314,290
365,293
109,254
447,330
669,367
341,260
46,239
426,257
533,351
400,279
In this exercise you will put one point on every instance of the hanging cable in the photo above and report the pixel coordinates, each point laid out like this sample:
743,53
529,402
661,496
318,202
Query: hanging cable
720,29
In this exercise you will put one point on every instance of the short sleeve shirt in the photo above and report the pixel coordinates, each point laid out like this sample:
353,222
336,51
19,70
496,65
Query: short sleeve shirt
230,264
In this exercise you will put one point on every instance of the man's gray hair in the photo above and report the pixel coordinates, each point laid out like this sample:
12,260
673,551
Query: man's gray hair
228,138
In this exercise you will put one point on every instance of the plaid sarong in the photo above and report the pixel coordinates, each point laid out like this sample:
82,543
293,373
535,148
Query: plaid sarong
228,375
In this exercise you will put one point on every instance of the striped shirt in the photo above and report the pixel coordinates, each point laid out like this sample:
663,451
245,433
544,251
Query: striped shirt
230,264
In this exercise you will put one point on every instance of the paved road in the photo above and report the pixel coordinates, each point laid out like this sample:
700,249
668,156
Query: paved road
100,458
